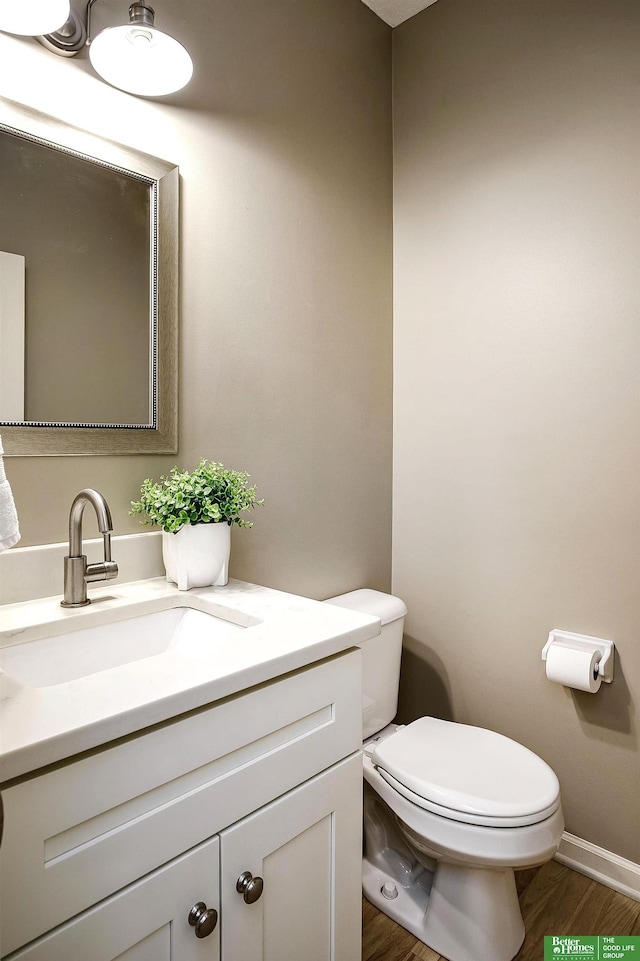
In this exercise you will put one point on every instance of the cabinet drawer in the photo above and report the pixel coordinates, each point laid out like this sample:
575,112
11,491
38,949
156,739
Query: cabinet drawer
77,834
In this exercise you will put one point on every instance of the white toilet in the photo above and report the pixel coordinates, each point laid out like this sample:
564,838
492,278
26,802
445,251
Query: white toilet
450,811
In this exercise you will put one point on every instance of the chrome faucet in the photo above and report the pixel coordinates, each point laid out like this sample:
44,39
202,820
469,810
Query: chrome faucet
77,573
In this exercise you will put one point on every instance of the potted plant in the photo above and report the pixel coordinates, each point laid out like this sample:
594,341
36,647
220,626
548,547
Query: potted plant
196,510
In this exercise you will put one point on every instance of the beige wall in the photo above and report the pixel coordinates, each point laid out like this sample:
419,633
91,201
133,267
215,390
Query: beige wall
283,139
517,392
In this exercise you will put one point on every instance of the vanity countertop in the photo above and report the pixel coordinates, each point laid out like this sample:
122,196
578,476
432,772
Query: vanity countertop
282,633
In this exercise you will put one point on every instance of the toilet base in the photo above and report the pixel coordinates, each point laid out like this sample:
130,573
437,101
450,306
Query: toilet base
465,914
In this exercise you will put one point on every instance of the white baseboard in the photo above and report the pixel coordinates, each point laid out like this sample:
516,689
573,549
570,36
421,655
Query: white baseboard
603,866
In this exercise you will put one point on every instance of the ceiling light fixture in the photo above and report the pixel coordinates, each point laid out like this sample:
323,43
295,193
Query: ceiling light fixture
33,17
139,58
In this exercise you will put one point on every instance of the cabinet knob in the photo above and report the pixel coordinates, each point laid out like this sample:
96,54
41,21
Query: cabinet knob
203,919
249,887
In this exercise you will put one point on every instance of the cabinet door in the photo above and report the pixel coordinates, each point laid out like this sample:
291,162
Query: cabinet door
146,921
307,848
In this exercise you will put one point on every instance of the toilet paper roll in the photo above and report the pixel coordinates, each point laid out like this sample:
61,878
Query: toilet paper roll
574,667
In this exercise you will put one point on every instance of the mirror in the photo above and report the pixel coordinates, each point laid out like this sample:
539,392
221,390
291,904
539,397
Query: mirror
88,292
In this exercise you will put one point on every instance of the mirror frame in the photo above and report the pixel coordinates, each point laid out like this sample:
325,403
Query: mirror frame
161,436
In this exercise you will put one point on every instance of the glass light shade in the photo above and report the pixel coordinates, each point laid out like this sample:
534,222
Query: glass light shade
33,18
140,59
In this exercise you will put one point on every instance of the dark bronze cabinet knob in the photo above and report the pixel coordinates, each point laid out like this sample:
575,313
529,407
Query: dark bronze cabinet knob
249,887
203,919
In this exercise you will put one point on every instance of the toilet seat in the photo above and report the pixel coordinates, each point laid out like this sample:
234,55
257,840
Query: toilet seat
463,816
467,774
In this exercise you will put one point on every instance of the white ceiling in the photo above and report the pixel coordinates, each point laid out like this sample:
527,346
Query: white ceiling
394,12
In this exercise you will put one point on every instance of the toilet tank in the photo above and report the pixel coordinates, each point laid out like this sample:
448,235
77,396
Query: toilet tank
380,656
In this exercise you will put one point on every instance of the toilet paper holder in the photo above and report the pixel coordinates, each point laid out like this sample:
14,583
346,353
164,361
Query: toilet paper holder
583,642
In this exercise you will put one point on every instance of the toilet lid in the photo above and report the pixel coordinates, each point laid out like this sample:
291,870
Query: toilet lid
468,769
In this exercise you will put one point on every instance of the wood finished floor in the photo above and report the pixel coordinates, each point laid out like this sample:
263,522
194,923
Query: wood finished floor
554,900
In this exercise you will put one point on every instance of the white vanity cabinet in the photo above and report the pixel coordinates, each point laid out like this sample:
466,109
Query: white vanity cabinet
104,856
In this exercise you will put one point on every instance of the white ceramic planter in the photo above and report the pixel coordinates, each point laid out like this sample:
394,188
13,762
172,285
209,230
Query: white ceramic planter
198,555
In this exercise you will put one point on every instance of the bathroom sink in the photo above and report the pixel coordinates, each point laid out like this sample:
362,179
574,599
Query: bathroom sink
80,653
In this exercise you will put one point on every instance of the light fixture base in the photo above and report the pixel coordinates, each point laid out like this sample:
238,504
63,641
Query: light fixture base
69,40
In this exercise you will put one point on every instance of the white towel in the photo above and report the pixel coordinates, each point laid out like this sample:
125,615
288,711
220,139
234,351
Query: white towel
9,530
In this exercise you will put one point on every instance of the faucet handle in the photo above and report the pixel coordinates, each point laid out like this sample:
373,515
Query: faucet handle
106,569
102,571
